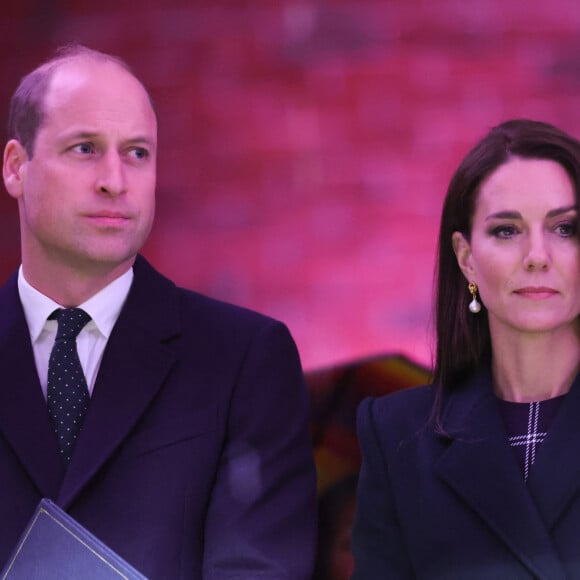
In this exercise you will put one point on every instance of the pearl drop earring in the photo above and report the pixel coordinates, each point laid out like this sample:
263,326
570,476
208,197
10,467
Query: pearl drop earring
474,305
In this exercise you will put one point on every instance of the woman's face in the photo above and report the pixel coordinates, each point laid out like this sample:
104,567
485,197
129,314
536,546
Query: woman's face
524,251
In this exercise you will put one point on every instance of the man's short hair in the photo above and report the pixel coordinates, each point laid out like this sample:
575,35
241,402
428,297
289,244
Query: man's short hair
26,113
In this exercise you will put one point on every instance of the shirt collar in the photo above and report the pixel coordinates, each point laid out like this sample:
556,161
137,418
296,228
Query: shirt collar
103,308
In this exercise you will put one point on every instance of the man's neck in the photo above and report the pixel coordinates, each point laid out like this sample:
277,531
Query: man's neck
72,286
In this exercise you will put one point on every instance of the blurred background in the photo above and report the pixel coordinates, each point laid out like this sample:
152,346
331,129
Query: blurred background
306,145
305,150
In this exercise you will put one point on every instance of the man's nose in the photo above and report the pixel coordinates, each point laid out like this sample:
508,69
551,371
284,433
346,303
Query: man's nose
111,179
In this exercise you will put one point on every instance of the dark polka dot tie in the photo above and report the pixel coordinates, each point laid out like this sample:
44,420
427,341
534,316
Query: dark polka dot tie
67,392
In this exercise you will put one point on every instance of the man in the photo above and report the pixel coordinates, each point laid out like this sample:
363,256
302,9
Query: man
193,459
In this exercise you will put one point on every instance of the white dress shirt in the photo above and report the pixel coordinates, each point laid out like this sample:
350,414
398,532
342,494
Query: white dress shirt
103,308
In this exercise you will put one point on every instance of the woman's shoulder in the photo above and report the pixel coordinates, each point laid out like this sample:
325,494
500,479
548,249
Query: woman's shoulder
405,411
409,400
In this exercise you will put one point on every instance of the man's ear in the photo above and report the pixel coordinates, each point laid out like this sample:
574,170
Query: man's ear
15,157
462,249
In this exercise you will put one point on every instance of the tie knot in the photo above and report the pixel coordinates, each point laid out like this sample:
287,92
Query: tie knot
70,322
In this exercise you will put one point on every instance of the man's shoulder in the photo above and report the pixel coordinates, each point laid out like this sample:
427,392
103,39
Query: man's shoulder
215,309
195,306
11,312
9,287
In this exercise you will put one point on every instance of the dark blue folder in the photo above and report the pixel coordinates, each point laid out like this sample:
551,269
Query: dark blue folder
54,546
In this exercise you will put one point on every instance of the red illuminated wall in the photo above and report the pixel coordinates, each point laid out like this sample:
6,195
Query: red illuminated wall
306,146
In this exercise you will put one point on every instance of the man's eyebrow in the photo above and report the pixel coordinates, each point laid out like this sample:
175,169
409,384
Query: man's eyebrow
81,135
90,135
142,140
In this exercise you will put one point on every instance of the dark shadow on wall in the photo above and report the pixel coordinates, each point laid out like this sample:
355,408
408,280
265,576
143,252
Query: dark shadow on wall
335,394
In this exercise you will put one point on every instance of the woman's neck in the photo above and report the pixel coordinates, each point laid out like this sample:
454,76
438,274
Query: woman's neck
535,367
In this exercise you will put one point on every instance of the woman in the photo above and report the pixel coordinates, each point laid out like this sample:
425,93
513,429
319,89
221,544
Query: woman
478,474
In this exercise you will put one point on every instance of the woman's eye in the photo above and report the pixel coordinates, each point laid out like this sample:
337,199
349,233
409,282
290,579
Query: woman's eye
504,232
567,229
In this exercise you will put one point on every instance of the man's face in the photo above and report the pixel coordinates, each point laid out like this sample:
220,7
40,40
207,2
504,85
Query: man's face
87,196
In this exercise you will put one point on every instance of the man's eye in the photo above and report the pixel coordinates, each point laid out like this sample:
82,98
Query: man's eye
140,153
84,148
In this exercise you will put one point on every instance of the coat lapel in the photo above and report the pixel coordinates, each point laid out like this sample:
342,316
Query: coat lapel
481,467
134,366
24,420
555,476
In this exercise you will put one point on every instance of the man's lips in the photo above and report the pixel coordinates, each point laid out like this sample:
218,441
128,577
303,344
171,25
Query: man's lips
536,292
108,218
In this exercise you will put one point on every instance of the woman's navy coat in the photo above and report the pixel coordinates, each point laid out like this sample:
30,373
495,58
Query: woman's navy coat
456,505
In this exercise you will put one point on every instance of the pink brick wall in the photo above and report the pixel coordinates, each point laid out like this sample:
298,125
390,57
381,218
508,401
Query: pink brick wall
306,146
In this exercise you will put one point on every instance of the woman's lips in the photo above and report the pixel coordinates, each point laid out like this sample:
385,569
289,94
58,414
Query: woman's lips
536,292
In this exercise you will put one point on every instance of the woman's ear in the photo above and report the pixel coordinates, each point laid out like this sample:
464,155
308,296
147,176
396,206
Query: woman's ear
15,157
462,249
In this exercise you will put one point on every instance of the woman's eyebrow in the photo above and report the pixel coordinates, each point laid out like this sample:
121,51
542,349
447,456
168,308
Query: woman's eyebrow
561,210
516,215
508,214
